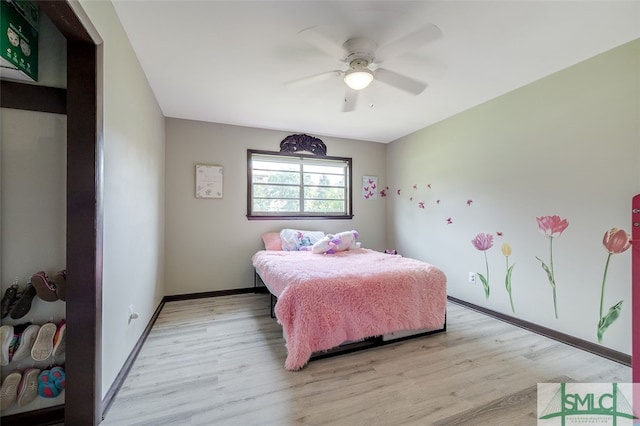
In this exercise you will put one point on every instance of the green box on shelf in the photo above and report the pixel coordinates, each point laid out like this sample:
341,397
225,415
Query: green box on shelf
19,20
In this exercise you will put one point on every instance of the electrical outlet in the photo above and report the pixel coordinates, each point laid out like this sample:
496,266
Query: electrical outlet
472,277
132,314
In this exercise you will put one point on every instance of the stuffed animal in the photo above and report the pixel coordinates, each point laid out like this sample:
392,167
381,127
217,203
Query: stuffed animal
344,241
324,245
334,243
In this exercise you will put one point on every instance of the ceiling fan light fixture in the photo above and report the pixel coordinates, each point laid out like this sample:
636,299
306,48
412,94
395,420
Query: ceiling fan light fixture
358,79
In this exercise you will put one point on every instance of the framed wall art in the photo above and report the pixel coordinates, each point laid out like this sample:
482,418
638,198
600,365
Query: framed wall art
209,181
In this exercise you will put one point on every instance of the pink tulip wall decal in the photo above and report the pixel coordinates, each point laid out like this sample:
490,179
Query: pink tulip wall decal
615,241
551,227
484,242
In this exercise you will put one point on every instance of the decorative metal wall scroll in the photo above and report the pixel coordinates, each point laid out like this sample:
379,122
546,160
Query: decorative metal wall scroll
302,142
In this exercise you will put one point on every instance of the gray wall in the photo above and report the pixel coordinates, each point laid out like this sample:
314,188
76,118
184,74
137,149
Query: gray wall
566,145
133,253
210,241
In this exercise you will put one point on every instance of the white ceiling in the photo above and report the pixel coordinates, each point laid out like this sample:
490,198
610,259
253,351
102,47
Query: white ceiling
227,61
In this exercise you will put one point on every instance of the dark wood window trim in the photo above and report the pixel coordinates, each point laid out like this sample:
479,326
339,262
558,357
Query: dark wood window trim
349,200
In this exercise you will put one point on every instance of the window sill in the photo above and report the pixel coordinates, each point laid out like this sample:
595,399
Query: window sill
298,217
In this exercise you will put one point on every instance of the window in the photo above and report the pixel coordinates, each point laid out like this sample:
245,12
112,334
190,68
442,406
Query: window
297,186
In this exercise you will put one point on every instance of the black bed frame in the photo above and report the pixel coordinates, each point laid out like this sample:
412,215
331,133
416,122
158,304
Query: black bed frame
367,343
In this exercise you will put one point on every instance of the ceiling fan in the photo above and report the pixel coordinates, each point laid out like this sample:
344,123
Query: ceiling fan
363,57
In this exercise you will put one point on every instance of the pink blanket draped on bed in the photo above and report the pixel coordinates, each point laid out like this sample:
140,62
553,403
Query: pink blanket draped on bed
327,299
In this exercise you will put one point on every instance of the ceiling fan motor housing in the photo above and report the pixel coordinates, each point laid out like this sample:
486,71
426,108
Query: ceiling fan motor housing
358,63
359,52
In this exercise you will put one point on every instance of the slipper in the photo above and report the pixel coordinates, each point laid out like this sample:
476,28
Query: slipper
57,376
46,388
9,298
6,337
60,281
23,305
59,340
27,340
9,390
45,288
28,386
43,346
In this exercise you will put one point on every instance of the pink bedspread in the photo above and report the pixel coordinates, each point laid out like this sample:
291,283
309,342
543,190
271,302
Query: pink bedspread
327,299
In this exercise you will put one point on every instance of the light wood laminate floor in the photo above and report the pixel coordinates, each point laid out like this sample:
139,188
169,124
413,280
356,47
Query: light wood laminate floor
220,361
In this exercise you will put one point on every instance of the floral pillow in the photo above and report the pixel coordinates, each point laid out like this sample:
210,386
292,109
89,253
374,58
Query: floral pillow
298,240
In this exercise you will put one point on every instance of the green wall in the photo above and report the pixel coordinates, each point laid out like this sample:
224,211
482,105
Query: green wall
566,145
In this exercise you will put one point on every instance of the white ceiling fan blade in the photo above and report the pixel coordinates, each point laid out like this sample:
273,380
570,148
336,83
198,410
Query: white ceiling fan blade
316,78
323,42
400,81
350,98
409,42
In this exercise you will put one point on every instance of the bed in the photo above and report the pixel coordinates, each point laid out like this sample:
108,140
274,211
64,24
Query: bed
327,300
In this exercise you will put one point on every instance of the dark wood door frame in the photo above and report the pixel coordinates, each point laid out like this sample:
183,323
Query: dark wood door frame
83,363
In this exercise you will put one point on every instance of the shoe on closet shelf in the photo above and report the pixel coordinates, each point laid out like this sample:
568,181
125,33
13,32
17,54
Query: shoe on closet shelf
46,385
23,305
45,288
28,387
59,340
25,343
9,299
43,346
6,337
15,341
9,390
60,281
58,377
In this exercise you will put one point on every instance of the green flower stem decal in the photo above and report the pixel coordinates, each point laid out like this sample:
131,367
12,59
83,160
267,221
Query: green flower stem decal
615,241
485,281
484,242
551,226
607,320
506,250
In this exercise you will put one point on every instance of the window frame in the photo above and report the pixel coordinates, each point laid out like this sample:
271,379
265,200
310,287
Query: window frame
299,215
